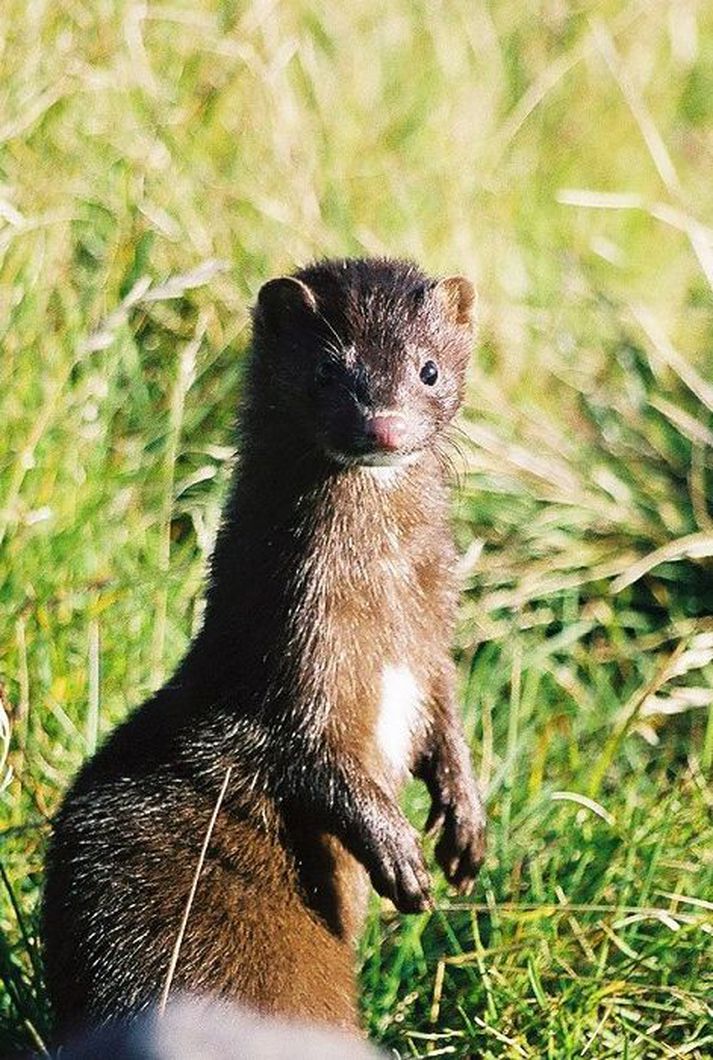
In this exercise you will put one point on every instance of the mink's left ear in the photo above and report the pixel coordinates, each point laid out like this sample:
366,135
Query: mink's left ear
279,300
457,299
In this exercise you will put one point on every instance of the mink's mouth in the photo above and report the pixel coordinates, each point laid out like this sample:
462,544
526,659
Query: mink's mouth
385,459
374,458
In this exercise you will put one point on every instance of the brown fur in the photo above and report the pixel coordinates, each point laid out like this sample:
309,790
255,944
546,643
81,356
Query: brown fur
324,573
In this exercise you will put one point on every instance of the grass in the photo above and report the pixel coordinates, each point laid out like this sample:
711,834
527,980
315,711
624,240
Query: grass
157,163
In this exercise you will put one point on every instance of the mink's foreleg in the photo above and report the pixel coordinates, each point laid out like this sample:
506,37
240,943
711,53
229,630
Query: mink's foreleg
457,810
341,798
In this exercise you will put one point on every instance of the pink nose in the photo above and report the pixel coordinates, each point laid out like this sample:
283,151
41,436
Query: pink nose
386,432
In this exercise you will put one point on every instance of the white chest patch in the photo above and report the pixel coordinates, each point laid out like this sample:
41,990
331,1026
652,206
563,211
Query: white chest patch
399,713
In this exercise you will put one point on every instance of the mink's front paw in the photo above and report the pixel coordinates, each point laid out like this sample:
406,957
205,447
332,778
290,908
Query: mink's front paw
461,848
397,869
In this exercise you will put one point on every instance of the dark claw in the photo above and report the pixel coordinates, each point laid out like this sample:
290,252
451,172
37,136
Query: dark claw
436,818
398,871
461,848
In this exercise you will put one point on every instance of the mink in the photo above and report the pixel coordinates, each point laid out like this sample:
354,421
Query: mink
322,677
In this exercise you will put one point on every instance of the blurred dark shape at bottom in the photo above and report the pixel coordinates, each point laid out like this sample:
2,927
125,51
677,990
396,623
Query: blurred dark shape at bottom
194,1029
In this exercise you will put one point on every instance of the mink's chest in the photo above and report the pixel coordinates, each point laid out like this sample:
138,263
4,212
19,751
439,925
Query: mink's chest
373,622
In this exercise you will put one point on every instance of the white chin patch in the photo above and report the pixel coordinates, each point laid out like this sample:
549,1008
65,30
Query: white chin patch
384,468
384,474
387,468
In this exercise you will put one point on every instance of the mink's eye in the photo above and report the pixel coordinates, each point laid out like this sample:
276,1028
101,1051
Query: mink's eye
429,373
327,372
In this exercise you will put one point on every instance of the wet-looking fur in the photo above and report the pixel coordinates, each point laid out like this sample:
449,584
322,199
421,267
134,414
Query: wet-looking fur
322,675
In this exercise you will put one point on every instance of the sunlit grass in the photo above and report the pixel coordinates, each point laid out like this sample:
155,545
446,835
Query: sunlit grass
157,163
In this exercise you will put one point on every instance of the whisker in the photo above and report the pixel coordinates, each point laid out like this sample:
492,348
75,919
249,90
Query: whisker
332,329
333,350
447,448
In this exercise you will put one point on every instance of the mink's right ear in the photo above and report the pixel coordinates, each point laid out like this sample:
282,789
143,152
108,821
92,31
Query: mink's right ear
280,301
456,297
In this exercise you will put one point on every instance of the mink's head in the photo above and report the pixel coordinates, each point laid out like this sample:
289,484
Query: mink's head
363,360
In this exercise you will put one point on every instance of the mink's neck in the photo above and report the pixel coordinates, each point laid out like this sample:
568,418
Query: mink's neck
297,529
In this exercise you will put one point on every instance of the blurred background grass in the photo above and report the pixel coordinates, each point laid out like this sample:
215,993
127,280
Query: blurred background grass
158,161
